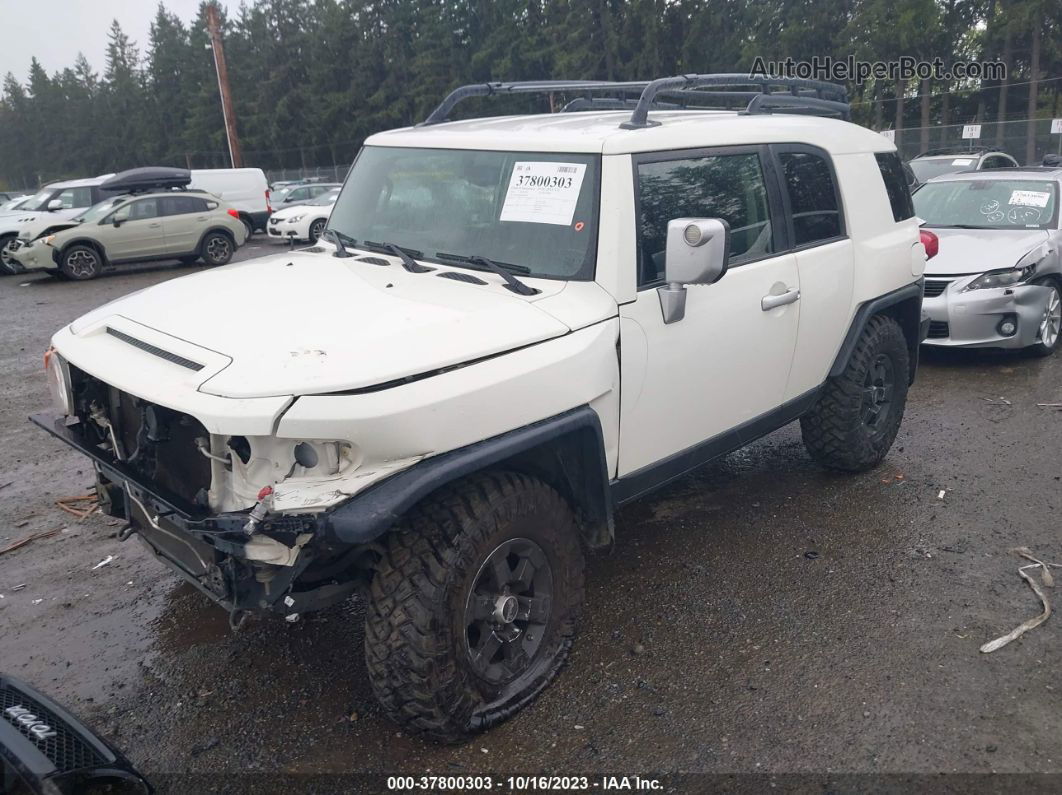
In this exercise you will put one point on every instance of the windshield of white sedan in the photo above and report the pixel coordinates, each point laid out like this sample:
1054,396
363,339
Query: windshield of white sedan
988,204
534,210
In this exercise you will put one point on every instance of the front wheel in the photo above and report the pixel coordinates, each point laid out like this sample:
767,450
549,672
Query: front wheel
316,228
217,249
856,418
1050,323
81,263
8,265
474,605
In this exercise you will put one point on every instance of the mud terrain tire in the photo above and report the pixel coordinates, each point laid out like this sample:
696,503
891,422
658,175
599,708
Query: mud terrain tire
439,601
855,420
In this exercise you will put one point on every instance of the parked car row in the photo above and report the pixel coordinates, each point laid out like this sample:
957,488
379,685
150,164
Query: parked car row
304,221
150,214
242,194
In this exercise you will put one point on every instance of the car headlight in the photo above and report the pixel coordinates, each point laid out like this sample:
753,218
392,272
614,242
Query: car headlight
58,382
295,219
1002,278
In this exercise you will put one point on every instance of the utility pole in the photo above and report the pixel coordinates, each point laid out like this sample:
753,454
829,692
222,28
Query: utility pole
214,30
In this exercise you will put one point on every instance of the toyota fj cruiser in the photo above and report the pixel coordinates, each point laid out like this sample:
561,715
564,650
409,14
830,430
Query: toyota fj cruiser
511,327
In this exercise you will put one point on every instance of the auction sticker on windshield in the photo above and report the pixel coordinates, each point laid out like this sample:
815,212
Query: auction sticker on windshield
1029,198
543,193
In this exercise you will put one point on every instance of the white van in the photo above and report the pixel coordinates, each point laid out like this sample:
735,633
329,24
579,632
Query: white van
244,189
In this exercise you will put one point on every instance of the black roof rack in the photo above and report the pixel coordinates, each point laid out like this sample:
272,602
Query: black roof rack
797,95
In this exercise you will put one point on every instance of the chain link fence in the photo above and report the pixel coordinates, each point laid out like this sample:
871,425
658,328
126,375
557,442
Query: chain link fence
315,174
1012,137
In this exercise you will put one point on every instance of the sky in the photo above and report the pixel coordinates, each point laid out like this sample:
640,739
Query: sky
55,30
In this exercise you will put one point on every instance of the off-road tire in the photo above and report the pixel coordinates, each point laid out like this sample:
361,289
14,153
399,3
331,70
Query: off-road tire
217,249
248,226
835,431
1040,348
416,642
81,263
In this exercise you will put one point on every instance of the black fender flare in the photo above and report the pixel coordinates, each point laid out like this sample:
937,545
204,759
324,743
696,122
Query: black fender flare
570,445
211,230
81,241
905,305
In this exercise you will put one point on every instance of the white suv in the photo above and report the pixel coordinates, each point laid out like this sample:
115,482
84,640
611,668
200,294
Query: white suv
511,328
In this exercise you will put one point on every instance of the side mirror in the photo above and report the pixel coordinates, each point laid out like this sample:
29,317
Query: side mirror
698,250
55,204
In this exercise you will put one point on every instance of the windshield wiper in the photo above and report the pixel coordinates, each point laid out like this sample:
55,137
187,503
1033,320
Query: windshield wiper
338,238
404,254
503,269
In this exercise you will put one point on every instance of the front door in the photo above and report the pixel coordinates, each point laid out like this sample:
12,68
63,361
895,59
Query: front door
727,361
139,234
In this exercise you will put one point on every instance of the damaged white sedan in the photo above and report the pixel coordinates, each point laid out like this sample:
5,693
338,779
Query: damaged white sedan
997,279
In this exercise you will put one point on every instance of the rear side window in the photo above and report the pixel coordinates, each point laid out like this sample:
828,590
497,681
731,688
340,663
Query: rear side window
730,187
812,197
895,185
180,205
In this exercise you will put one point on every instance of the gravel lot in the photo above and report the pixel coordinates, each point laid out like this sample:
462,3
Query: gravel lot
761,616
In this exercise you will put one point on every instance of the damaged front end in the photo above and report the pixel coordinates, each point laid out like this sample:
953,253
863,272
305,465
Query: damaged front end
188,495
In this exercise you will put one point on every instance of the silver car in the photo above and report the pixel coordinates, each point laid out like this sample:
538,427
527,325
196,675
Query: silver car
997,279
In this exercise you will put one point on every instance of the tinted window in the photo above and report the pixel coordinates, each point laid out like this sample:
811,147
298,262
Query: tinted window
145,208
812,197
75,197
895,185
179,205
730,187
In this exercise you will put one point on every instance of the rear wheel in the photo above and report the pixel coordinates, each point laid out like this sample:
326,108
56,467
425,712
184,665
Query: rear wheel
316,228
247,225
217,248
81,263
8,266
474,605
1050,323
856,418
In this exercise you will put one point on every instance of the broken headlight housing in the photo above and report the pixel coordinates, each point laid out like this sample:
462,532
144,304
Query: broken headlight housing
1005,277
58,373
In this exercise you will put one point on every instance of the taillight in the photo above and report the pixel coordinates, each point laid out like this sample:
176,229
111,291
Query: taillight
233,213
269,207
930,241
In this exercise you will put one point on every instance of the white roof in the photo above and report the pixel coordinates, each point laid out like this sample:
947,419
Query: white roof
600,132
79,183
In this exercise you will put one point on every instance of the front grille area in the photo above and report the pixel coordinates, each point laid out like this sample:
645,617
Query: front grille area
938,329
935,287
66,750
157,442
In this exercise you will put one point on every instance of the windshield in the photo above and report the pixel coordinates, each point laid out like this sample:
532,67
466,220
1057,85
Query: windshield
39,201
532,209
927,169
326,198
14,204
97,211
988,203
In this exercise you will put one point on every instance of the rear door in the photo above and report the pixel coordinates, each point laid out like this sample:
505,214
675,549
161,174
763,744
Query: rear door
824,257
186,220
139,234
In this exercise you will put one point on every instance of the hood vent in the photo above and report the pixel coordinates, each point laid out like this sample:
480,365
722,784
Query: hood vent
457,276
155,351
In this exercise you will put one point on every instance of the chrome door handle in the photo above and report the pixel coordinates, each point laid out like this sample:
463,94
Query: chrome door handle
769,302
155,225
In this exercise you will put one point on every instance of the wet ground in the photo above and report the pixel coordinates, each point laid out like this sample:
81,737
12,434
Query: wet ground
759,616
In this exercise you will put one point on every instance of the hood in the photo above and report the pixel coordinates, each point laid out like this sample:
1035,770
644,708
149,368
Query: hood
289,210
306,323
31,230
964,251
17,221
